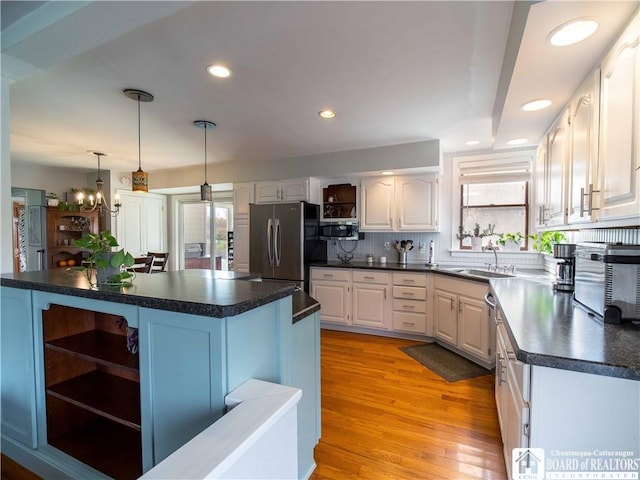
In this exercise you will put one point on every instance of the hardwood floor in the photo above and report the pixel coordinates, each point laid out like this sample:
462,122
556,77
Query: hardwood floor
385,416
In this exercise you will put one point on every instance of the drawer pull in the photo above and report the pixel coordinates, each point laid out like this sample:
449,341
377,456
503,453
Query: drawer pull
408,306
369,278
327,275
408,323
408,293
408,280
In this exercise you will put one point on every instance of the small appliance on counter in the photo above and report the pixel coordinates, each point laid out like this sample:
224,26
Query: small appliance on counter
565,271
607,280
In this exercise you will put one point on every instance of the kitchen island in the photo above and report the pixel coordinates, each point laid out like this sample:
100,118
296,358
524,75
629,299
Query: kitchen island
77,403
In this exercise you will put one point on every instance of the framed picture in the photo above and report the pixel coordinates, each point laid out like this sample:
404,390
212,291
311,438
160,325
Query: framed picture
35,226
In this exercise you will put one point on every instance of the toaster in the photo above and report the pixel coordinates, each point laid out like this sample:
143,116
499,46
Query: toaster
607,280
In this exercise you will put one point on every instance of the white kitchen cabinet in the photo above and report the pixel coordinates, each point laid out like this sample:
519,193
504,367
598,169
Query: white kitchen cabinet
417,203
462,321
619,174
410,302
141,225
557,155
332,289
445,316
292,190
243,195
405,203
583,164
371,299
541,187
377,204
241,245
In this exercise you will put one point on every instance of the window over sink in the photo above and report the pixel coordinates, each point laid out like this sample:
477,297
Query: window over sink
494,198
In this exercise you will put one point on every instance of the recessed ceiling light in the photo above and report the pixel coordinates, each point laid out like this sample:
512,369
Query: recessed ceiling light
219,71
517,141
386,172
327,113
472,142
572,32
535,105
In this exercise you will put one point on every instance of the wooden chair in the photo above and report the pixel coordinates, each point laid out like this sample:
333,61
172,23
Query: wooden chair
142,264
159,261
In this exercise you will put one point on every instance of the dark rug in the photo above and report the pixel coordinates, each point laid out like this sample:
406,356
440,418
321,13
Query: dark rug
450,366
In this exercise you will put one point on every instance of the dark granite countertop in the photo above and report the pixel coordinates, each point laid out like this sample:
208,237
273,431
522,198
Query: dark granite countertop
548,329
199,292
303,305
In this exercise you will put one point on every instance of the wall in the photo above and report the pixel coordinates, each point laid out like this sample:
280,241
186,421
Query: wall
52,179
6,214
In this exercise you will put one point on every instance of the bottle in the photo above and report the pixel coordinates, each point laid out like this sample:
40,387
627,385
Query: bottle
431,259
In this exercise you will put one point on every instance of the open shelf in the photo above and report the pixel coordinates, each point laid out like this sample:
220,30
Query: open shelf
106,395
101,347
106,446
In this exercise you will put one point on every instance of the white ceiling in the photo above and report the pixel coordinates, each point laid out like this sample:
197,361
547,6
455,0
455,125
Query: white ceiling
395,72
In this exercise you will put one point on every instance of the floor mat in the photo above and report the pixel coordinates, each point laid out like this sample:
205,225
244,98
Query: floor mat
450,366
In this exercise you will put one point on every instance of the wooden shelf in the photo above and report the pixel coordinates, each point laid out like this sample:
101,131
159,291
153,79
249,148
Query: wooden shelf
105,446
105,395
101,347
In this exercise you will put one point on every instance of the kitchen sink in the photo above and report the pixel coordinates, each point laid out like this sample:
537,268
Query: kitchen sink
481,273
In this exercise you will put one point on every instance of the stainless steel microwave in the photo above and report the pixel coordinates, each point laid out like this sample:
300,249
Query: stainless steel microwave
339,230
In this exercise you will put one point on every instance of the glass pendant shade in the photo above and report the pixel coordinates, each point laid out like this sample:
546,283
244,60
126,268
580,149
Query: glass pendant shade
139,178
205,188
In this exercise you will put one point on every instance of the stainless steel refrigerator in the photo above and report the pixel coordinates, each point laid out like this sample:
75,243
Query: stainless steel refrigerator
284,240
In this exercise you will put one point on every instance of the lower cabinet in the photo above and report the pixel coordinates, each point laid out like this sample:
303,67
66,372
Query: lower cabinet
371,299
332,288
410,303
463,320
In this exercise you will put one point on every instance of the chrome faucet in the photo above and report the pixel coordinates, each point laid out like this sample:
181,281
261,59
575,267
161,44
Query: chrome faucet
494,249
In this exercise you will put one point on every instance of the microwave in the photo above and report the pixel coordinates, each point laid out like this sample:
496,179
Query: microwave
339,230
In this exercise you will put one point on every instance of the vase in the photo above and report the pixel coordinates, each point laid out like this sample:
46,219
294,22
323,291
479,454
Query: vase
104,274
476,243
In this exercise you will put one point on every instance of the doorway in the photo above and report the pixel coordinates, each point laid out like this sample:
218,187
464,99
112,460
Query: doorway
205,228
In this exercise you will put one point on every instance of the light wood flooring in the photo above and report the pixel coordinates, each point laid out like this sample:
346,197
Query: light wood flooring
385,416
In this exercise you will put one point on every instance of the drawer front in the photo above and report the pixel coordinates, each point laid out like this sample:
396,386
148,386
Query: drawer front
410,279
410,322
411,293
335,274
370,277
402,305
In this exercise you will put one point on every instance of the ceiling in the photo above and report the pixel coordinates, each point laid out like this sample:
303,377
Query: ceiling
395,72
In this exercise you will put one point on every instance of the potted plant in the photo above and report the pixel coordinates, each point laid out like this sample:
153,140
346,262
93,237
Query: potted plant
110,266
510,241
476,235
543,242
52,199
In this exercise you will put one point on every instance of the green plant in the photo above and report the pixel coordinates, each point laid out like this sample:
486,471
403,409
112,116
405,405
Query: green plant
543,242
487,232
101,257
52,195
510,237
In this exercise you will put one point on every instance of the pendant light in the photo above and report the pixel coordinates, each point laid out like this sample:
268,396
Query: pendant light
98,203
139,178
205,188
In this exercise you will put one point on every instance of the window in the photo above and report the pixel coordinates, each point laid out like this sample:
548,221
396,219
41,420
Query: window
494,198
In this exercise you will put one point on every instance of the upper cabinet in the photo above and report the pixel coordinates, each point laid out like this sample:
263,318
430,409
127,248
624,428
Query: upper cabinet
287,191
407,203
243,195
619,129
339,202
557,155
583,163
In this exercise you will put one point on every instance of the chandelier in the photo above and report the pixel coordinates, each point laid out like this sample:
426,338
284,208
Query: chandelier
205,188
99,202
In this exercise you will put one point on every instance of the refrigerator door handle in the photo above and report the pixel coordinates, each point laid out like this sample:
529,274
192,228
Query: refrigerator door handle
269,241
277,240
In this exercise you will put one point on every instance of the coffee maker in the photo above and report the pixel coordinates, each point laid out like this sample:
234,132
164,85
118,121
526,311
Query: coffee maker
565,267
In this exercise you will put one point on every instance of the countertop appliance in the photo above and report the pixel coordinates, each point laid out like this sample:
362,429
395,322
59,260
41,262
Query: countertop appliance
284,240
339,230
607,280
565,272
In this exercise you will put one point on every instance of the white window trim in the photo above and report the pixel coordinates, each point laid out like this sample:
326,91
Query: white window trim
482,162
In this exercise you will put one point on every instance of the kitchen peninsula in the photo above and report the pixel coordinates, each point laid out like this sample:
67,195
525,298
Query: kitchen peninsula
77,402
